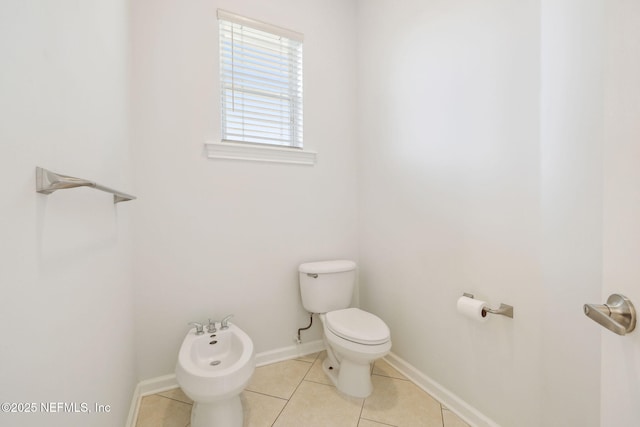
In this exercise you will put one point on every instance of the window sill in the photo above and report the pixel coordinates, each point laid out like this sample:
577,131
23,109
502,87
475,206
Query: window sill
257,153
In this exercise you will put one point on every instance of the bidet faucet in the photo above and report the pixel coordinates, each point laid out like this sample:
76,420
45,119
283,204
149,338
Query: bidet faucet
199,327
224,323
211,328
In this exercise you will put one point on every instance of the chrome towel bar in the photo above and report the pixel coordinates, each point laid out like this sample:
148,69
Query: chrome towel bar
47,182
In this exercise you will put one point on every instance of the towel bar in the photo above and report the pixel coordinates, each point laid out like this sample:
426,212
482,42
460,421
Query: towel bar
47,182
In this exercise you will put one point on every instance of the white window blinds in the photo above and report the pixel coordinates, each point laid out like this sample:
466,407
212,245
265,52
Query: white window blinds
261,82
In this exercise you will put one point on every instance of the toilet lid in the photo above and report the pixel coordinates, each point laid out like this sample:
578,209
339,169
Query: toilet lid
359,326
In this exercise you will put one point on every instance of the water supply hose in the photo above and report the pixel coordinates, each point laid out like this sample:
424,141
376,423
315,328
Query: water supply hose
304,329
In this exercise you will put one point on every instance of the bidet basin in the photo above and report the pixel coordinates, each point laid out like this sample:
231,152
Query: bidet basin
213,369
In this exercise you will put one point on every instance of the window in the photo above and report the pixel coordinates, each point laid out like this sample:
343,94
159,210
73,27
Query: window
261,82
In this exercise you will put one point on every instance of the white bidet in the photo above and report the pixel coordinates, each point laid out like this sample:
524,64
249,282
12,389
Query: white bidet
213,369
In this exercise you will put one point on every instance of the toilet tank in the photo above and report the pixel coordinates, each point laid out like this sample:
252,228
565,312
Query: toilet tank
327,285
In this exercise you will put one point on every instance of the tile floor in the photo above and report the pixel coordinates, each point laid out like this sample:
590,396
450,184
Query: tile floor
297,393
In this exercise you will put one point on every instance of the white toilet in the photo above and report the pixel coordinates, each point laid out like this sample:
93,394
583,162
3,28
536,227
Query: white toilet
354,338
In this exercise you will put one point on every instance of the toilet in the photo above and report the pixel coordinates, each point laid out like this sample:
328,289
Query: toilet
354,338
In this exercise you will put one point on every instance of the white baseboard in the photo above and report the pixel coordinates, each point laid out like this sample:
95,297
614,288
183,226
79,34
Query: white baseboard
133,408
291,352
146,388
455,404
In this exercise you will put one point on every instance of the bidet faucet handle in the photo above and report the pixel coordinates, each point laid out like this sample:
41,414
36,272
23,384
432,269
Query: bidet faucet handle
212,326
224,323
199,327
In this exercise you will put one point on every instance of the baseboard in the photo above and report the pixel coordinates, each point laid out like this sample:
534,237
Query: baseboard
291,352
147,388
455,404
134,407
168,382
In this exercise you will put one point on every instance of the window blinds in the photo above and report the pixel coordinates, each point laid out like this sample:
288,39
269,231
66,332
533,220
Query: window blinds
261,82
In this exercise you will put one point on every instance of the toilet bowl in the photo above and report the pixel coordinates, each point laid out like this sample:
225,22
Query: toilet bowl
353,338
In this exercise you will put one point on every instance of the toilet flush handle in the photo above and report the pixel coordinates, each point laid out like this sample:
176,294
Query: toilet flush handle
314,275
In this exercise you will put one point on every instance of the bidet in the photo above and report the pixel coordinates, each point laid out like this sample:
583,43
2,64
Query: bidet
213,369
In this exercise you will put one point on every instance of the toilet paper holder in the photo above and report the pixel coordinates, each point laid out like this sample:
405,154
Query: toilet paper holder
503,310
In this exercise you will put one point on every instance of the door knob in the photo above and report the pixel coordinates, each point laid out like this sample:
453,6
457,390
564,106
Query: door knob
617,315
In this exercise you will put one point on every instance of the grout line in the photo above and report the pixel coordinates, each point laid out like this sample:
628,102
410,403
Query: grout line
284,406
303,377
294,392
411,382
315,382
164,397
296,388
279,413
324,384
296,360
361,409
171,398
365,399
378,422
314,359
265,394
178,400
395,378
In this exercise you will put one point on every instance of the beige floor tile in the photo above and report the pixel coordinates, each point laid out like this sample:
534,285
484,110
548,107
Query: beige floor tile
316,374
369,423
279,379
452,420
176,394
160,411
395,401
308,358
381,367
319,405
402,403
260,410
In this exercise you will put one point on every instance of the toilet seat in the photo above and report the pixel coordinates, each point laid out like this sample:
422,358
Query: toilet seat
358,326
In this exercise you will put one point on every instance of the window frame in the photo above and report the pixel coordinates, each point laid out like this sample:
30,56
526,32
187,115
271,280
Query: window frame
261,152
260,82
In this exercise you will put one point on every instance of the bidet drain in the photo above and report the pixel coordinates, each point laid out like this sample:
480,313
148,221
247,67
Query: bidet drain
215,363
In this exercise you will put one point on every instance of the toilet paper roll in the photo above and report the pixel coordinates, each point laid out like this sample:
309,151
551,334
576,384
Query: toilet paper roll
472,308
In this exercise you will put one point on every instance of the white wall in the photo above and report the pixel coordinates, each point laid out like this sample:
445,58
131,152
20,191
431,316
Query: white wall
481,133
219,237
449,191
65,276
